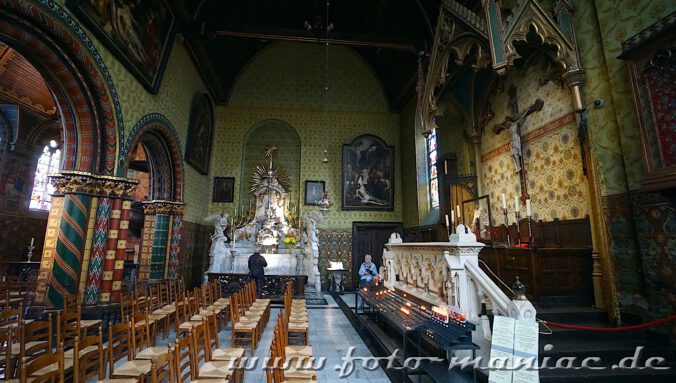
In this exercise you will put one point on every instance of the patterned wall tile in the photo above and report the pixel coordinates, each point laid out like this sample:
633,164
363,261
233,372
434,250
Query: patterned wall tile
550,148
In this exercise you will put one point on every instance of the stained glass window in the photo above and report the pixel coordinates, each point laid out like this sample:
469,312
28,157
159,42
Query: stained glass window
49,162
432,167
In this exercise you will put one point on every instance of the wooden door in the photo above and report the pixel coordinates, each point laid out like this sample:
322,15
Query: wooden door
370,238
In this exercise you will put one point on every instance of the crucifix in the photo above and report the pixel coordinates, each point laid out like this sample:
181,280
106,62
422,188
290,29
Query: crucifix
513,123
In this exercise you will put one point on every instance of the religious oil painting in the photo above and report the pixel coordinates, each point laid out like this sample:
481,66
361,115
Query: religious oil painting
368,174
200,133
223,189
140,33
314,191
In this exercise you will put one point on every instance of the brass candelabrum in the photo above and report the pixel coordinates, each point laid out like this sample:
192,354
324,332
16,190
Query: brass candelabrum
530,232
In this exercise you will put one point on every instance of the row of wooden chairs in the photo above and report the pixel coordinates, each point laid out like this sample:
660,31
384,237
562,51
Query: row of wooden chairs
15,291
249,317
296,316
288,363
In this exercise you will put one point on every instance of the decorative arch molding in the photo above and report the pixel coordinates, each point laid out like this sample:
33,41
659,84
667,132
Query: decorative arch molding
49,37
528,16
156,132
253,144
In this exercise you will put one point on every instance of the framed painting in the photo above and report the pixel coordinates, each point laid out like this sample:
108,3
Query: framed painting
314,191
223,189
368,174
139,33
200,133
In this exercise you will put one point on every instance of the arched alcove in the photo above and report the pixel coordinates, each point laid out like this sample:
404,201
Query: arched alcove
286,139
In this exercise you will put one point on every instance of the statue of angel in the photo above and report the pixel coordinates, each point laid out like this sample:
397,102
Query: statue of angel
220,222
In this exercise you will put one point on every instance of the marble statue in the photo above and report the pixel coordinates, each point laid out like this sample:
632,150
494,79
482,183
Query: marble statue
219,254
311,242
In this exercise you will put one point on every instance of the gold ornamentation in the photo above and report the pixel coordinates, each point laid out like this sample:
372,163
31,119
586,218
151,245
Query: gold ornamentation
163,207
77,182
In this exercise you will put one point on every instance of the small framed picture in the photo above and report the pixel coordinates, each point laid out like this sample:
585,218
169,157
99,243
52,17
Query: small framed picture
223,189
314,191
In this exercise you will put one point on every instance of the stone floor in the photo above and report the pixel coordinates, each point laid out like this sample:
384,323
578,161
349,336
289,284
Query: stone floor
331,335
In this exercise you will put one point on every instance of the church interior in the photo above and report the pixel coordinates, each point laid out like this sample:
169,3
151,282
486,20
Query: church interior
433,179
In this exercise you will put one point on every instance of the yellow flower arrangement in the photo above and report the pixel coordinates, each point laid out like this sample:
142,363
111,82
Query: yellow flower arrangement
290,240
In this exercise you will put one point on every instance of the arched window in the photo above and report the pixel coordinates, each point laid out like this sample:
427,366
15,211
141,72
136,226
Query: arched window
432,167
49,162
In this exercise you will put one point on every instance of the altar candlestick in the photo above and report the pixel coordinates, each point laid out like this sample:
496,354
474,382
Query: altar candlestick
528,207
516,203
32,240
504,201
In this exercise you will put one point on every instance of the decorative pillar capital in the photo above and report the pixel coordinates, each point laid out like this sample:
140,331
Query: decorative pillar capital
163,207
77,182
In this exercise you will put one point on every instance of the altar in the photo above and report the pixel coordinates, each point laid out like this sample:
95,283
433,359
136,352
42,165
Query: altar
272,226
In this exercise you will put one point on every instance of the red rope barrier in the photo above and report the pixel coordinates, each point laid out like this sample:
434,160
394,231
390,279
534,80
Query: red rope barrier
612,329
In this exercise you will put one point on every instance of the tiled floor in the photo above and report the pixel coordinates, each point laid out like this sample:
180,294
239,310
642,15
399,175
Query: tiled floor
331,335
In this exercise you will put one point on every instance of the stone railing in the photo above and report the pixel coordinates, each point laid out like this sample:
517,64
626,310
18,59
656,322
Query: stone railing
448,273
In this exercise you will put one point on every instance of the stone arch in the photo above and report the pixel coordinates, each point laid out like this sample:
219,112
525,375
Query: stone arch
161,143
255,139
60,50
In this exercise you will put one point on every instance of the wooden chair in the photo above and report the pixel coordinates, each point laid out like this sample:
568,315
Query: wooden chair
278,366
67,327
35,339
88,358
12,317
120,346
205,368
243,331
45,368
162,368
140,331
291,351
7,341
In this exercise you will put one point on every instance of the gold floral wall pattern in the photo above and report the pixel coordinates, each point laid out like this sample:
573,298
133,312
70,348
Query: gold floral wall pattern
550,147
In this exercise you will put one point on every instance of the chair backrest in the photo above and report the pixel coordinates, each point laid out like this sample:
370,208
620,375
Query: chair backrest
68,327
71,302
234,310
39,363
140,330
39,334
126,306
7,339
211,324
163,294
162,368
184,369
11,316
181,310
88,358
200,344
119,344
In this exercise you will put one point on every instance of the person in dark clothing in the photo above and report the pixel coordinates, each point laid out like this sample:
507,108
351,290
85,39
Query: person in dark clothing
257,264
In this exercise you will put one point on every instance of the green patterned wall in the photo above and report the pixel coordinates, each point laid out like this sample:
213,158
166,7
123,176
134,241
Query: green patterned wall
601,26
180,82
556,183
286,82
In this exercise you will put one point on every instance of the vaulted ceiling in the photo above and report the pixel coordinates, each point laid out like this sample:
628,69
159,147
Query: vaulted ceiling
224,35
21,83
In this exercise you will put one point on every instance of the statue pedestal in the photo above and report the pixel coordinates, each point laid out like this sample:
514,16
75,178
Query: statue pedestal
336,278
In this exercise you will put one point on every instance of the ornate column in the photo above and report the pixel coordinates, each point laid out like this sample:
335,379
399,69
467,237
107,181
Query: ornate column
77,235
161,239
115,191
475,138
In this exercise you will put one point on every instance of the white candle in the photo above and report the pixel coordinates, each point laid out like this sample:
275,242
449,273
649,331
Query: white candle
457,208
504,201
447,224
528,207
452,217
516,203
32,240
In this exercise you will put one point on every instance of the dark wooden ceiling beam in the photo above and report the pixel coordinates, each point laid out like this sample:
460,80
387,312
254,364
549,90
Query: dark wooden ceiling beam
341,40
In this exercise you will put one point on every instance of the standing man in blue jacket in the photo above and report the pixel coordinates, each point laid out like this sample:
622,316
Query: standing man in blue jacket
367,272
